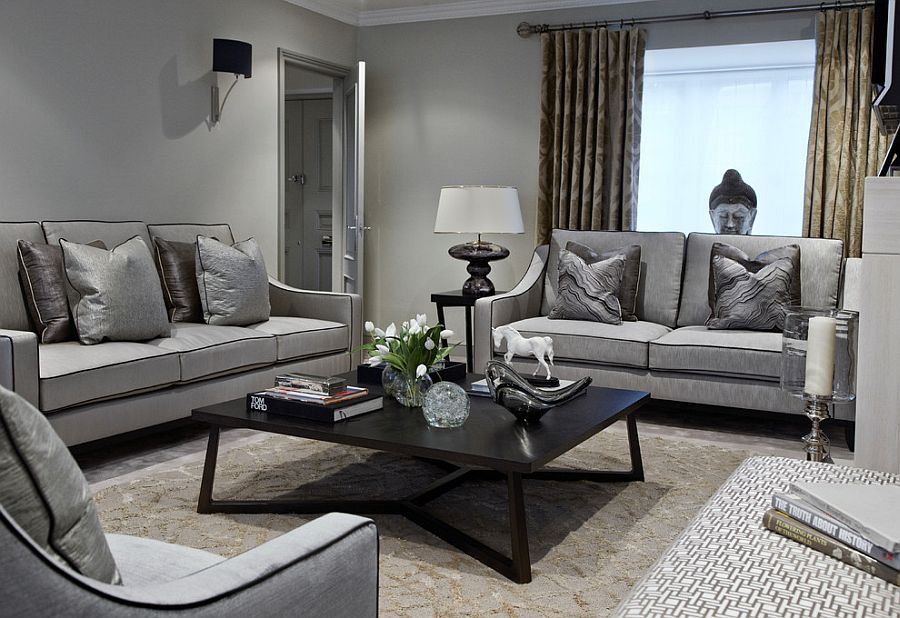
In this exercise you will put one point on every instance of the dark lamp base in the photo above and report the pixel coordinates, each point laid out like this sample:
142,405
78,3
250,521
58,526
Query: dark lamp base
478,255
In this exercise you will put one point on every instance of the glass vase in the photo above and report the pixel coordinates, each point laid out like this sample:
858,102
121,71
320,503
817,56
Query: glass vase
408,391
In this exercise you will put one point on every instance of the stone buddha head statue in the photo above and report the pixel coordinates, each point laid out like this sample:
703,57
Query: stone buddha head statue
732,205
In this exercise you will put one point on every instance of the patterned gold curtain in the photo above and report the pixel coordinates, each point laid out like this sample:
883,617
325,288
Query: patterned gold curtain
592,83
845,145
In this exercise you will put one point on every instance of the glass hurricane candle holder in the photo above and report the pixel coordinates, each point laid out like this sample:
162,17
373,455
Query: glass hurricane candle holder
818,365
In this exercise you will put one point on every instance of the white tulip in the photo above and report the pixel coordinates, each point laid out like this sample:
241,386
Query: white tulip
446,334
382,348
369,327
379,332
429,345
374,361
420,318
414,328
391,330
404,325
421,370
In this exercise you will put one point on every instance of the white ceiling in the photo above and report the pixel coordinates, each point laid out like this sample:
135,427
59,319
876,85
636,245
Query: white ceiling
378,12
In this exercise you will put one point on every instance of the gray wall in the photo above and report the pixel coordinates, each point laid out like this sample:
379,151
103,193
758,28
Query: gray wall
456,102
104,107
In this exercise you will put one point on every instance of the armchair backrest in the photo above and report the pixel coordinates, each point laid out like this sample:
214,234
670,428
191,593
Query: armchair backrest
662,254
820,270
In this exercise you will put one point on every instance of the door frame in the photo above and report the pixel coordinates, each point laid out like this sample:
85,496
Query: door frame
339,73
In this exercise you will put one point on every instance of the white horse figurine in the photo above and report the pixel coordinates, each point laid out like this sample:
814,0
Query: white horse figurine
537,347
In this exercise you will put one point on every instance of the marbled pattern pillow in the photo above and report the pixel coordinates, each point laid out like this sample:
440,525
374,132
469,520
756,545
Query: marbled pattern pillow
588,291
631,277
754,265
751,300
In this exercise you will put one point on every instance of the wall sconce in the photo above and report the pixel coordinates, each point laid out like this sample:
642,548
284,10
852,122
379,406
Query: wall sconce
229,57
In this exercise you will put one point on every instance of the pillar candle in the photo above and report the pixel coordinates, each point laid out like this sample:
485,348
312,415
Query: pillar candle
820,356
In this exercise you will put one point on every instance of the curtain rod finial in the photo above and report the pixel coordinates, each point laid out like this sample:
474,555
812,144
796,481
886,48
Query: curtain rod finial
525,30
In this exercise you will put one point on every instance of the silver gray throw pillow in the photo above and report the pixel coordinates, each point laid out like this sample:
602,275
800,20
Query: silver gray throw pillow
114,295
750,300
588,291
233,282
42,488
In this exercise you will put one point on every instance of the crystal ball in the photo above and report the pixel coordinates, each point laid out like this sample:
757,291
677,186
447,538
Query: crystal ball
446,405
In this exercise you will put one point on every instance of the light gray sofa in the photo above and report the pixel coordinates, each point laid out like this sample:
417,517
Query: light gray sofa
668,352
92,392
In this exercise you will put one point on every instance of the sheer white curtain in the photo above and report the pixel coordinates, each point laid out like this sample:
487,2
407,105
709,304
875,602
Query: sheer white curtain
709,109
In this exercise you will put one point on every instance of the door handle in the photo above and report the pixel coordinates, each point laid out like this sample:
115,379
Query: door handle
327,241
301,178
364,228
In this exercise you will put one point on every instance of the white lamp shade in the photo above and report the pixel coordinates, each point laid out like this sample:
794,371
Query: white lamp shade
479,210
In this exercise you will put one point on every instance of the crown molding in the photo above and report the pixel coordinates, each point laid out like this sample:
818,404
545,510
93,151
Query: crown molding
446,10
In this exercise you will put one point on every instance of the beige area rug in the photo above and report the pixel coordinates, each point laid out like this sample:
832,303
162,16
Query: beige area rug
589,542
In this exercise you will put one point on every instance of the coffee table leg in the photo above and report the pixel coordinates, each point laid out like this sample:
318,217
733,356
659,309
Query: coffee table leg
521,559
204,503
634,449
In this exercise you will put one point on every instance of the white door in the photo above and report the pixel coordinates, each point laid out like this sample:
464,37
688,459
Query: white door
293,193
354,111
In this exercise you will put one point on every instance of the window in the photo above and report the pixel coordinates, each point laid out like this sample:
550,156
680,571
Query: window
708,109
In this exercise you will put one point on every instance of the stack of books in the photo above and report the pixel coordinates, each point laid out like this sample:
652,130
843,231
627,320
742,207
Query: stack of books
315,398
857,524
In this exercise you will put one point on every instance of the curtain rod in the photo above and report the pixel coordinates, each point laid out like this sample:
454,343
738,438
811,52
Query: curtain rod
525,29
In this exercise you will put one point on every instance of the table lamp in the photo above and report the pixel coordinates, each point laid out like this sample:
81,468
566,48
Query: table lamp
478,209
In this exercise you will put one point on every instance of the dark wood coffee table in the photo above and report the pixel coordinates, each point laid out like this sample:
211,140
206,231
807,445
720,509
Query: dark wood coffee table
491,445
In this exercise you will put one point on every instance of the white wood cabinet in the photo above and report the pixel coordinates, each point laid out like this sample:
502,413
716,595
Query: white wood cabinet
878,367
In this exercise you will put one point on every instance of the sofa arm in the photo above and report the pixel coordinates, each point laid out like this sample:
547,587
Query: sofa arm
333,306
328,567
19,369
851,291
523,301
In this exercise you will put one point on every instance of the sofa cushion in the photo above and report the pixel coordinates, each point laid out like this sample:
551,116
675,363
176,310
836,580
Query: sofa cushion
42,488
73,374
662,254
177,265
43,280
300,337
114,295
631,278
12,306
145,562
588,291
732,353
233,283
623,344
206,350
112,233
188,232
820,270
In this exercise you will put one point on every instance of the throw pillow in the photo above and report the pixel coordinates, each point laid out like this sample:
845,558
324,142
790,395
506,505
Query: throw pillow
631,278
43,490
588,291
233,282
754,265
177,265
114,295
750,300
44,289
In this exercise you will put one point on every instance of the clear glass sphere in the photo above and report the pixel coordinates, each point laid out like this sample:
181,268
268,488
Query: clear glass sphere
446,405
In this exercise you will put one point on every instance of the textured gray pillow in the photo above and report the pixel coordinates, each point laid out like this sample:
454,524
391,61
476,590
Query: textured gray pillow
751,300
631,278
588,291
233,282
114,295
754,265
42,488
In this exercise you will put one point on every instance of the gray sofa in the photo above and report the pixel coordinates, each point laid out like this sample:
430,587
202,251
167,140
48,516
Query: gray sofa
92,392
668,352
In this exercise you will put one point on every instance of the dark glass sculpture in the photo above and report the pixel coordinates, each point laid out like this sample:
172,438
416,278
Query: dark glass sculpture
527,403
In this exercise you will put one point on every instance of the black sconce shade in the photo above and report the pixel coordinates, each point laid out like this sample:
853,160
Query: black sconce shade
232,57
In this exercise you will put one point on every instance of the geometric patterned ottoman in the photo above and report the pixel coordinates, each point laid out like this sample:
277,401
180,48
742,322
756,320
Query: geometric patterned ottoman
725,564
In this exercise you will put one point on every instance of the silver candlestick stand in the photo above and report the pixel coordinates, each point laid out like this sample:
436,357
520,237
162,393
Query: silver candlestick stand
817,443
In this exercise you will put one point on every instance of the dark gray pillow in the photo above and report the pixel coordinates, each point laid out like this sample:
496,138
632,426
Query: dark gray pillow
43,282
114,295
42,488
177,265
631,278
588,291
754,265
233,282
751,300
